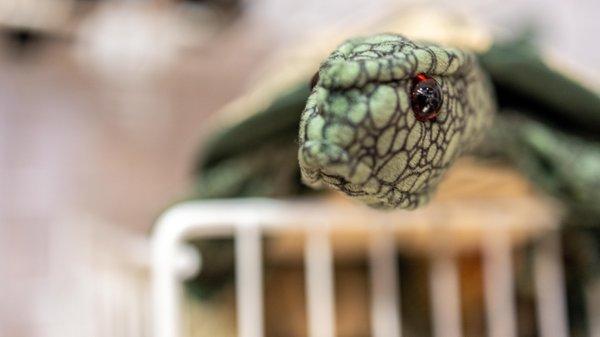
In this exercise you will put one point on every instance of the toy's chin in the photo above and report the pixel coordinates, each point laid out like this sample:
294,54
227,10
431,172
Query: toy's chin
311,178
324,164
400,200
320,178
321,161
386,198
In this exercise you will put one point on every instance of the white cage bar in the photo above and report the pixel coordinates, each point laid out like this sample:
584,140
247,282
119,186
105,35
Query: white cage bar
385,282
246,221
319,283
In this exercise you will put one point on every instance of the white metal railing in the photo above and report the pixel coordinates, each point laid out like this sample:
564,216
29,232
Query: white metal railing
246,221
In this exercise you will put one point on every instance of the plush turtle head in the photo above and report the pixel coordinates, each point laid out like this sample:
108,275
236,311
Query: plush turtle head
387,117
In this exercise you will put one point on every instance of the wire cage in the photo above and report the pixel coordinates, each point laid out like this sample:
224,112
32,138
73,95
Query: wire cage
492,228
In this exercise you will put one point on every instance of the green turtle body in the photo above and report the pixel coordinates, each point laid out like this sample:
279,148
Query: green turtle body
355,130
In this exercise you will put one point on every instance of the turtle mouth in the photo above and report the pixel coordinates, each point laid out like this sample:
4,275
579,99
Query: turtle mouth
316,177
381,199
323,162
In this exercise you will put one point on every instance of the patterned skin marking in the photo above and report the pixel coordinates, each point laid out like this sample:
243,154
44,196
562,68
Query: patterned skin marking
359,135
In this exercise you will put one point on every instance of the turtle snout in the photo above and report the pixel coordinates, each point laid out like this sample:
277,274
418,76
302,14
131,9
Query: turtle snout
319,155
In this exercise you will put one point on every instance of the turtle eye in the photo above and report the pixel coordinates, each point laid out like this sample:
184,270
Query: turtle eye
314,80
425,97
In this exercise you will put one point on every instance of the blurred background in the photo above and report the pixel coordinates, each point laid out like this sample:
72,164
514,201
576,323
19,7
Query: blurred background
102,109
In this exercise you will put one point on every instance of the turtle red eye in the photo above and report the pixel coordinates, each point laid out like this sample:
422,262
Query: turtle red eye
425,97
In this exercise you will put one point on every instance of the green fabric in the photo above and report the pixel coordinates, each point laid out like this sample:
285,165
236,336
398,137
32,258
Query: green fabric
257,156
524,82
362,134
548,127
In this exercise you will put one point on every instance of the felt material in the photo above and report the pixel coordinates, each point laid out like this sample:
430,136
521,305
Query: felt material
524,82
547,126
359,133
251,158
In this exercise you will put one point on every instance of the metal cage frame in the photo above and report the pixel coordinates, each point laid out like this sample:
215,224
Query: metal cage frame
247,219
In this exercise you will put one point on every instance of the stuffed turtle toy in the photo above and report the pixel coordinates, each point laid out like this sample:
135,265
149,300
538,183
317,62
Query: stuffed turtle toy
384,117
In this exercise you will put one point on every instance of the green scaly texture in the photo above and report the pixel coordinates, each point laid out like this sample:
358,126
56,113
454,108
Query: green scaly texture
354,131
358,134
